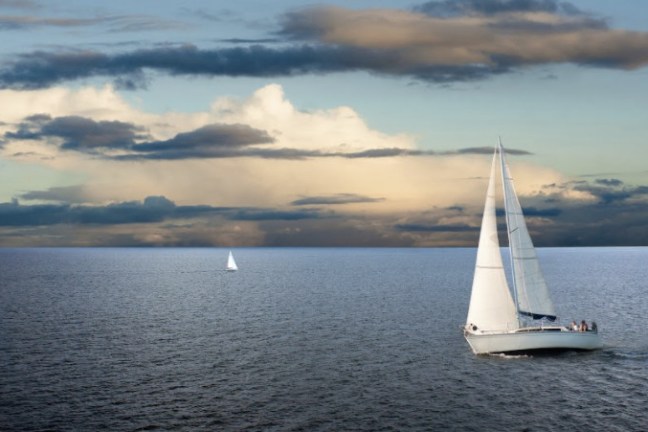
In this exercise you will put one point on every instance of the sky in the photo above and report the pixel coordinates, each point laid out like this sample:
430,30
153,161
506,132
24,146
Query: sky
341,123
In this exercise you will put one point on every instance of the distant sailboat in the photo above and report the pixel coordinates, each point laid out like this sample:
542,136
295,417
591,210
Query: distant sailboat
496,321
231,264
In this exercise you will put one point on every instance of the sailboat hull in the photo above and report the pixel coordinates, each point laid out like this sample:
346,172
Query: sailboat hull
532,340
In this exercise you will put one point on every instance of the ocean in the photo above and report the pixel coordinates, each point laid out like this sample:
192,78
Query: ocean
305,340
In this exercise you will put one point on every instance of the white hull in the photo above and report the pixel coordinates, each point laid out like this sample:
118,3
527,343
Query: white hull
532,339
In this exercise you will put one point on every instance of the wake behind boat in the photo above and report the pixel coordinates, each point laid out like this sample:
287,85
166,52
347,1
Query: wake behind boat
498,322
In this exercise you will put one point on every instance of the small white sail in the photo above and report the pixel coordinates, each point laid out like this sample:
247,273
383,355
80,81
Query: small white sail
231,264
532,293
491,306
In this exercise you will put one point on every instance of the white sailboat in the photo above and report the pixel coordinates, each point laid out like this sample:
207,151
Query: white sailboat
231,264
497,321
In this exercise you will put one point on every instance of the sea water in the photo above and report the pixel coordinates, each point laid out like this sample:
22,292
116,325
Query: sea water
305,340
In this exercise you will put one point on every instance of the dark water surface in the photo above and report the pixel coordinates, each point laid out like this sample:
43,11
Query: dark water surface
305,339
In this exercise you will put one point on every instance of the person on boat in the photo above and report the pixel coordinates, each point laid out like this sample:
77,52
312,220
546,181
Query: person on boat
583,326
573,326
594,327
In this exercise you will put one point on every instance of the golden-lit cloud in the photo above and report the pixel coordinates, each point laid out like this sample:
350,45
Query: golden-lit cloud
415,40
396,183
222,200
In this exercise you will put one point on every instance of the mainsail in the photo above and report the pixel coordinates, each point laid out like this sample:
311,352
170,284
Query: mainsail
532,294
491,306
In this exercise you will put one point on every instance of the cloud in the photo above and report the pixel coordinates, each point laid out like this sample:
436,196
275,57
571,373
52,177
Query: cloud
42,69
87,135
437,228
25,22
267,215
328,159
489,151
67,194
159,221
251,41
608,191
335,199
114,23
102,138
476,42
542,212
609,182
78,133
614,223
455,8
213,140
151,209
437,42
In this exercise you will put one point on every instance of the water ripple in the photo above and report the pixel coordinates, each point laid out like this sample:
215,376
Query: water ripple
303,340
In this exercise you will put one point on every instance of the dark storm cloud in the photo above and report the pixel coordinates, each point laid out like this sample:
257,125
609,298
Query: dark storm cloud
436,228
42,69
78,133
215,140
618,217
489,151
272,215
530,211
321,40
609,182
103,138
622,220
335,199
611,190
567,222
152,209
251,41
87,135
393,152
542,212
614,223
453,8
